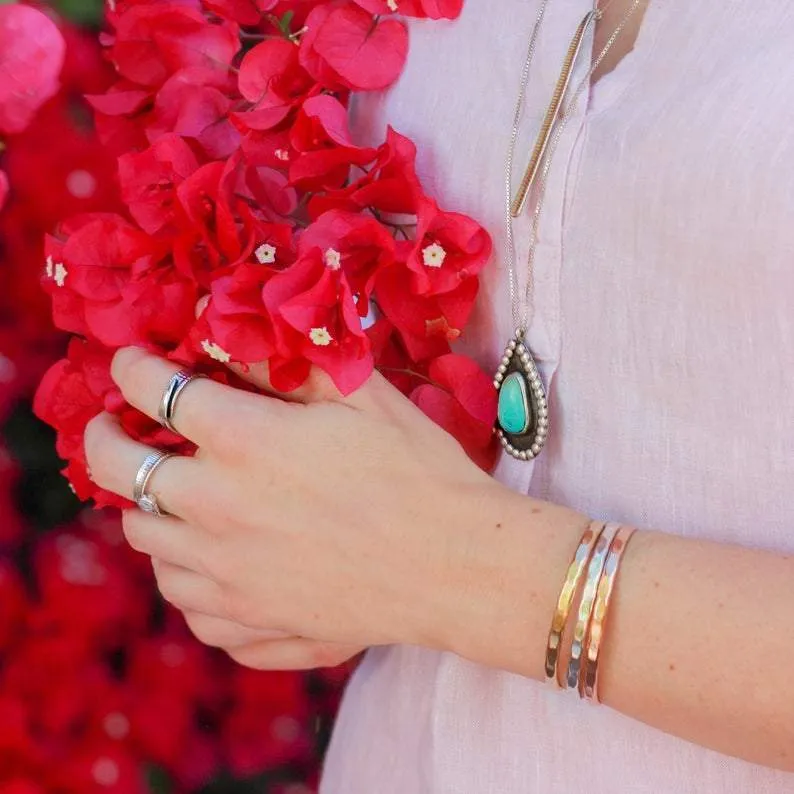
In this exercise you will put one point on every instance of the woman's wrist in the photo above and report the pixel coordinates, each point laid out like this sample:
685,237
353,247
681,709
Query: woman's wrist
495,597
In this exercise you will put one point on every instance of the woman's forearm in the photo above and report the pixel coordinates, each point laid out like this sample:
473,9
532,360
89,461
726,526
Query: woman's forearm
700,635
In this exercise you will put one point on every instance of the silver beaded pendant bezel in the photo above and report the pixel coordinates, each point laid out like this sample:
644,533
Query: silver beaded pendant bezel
518,358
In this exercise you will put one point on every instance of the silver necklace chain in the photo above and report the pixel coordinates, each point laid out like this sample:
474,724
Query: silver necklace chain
521,311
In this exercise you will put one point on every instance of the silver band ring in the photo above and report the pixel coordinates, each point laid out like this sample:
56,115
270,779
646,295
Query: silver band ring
171,394
147,501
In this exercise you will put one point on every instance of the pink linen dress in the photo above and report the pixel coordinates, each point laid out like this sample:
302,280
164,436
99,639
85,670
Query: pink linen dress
664,322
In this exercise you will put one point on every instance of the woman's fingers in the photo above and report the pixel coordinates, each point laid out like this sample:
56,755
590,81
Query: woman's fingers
114,459
171,540
295,653
189,591
210,414
220,633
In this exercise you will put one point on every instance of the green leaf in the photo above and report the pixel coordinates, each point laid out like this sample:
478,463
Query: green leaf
285,22
82,12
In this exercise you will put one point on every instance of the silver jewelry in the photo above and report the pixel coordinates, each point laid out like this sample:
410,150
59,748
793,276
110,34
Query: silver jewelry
523,418
148,501
171,394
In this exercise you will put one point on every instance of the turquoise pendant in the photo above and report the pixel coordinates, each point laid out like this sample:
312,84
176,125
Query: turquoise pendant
523,414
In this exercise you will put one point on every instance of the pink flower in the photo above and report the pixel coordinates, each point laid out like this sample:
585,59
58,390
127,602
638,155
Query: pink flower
32,51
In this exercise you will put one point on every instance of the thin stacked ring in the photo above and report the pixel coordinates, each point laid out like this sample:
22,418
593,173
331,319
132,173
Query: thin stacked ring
148,501
171,394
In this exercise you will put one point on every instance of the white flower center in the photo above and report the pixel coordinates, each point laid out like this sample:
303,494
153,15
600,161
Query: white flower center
333,259
60,274
282,154
392,4
434,255
266,254
215,351
56,270
320,337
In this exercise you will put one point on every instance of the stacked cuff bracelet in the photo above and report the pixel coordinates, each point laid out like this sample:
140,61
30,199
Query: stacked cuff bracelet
606,586
593,569
572,580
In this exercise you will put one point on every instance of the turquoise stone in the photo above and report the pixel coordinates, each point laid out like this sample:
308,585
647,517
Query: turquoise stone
515,413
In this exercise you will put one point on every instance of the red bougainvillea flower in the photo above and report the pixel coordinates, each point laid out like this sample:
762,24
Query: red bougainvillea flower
389,186
427,324
244,12
209,229
357,244
155,40
462,400
449,248
273,81
265,147
222,211
108,282
242,192
121,115
297,317
195,104
32,51
234,325
73,392
316,319
431,9
324,149
345,47
149,179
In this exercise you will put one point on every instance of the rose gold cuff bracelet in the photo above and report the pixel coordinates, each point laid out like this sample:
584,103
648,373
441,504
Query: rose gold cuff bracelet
589,682
580,632
570,586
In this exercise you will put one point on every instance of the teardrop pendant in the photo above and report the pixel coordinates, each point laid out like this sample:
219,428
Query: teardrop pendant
523,413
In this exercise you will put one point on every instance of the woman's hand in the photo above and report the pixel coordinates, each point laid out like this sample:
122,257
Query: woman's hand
348,523
337,523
